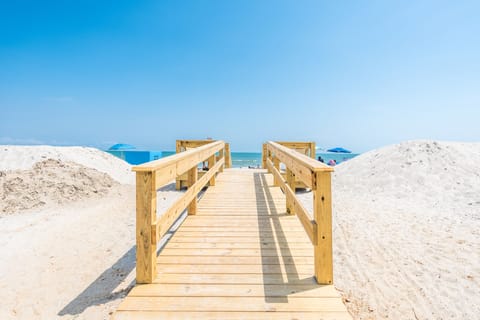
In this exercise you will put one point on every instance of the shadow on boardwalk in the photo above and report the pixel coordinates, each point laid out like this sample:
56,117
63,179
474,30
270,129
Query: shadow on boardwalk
270,229
102,289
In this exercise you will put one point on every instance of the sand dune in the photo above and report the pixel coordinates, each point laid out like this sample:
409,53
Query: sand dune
407,231
25,157
67,232
49,183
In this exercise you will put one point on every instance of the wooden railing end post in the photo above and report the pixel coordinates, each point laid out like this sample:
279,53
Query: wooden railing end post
146,215
322,211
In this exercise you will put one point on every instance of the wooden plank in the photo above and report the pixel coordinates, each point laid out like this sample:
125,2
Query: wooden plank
222,315
255,278
208,238
146,205
236,252
234,228
241,304
251,234
279,237
200,220
234,290
197,243
241,257
234,260
237,269
322,206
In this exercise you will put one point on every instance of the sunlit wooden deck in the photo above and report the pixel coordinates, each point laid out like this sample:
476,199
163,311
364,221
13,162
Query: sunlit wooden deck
240,257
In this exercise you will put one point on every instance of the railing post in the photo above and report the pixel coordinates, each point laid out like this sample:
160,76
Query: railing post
322,206
178,149
228,156
264,156
313,154
192,178
221,155
269,156
276,164
146,208
291,184
211,163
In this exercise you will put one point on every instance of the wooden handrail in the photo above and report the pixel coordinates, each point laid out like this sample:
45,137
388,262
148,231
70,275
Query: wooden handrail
190,155
317,176
185,145
309,147
155,174
182,145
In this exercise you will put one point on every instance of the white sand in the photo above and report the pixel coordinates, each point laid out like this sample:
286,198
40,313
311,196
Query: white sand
24,158
406,234
74,257
407,231
50,182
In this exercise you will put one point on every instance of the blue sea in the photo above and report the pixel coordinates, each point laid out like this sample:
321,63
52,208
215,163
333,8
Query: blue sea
254,159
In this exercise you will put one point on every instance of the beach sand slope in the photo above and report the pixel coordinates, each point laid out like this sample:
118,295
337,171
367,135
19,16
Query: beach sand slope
406,227
67,232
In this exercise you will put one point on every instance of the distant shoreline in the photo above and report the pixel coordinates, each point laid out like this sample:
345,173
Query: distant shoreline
254,159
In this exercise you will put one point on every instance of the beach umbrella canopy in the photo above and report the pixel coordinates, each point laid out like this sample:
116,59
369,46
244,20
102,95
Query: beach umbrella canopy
121,146
339,150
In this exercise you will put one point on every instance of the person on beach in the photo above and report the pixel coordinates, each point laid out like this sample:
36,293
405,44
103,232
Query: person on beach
321,159
332,162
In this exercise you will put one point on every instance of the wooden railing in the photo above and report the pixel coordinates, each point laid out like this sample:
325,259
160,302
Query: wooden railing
155,174
316,176
306,148
185,145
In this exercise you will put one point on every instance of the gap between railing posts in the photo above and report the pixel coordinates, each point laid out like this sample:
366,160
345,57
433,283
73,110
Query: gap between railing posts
153,175
314,175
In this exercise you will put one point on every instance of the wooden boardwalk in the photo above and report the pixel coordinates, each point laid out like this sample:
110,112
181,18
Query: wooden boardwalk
240,257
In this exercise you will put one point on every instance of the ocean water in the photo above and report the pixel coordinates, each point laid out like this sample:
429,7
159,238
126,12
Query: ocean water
254,159
246,159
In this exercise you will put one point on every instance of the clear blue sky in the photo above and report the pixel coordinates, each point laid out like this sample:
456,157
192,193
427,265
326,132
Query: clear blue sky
357,74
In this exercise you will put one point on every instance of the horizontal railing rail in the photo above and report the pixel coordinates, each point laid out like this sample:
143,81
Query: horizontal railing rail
316,176
153,175
185,145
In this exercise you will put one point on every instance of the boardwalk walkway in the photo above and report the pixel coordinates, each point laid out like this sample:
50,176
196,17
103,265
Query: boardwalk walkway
240,257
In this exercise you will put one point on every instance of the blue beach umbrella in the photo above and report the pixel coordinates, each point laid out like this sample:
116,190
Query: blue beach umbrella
121,146
339,150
